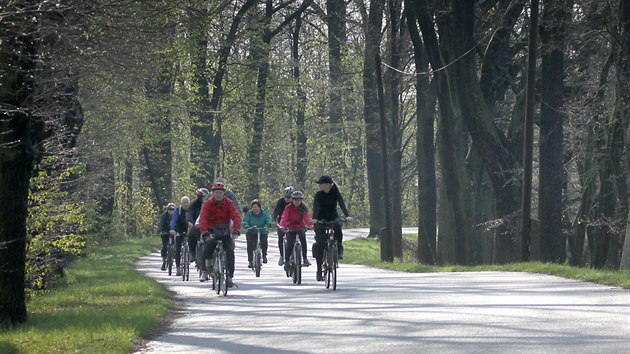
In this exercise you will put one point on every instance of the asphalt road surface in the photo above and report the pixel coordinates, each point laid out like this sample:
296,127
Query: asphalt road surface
380,311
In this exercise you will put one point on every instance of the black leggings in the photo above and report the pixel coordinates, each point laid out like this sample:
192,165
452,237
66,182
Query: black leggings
320,242
228,246
291,242
252,238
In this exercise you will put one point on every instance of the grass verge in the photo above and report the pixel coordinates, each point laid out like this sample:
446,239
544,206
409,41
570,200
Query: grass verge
101,306
367,252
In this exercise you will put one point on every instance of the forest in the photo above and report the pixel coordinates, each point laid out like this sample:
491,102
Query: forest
110,109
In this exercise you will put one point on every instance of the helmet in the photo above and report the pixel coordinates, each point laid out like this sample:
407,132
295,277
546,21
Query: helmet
288,191
297,195
218,186
202,192
171,206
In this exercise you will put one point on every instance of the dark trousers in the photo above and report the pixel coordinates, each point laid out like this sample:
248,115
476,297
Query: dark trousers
228,246
281,242
178,249
193,238
320,242
165,237
252,239
290,236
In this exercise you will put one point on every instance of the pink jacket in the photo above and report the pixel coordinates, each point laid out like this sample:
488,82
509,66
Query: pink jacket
291,218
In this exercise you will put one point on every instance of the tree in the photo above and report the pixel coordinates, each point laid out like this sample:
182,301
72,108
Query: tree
17,71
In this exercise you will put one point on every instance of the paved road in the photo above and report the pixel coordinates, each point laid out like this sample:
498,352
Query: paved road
380,311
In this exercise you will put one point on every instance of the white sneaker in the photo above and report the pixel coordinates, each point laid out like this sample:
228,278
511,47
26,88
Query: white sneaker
280,261
203,276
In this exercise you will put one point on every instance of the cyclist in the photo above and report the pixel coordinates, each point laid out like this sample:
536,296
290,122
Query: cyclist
165,228
191,217
229,194
218,212
325,209
295,216
277,214
179,225
256,217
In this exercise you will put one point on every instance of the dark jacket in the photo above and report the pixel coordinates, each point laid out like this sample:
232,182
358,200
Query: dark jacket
279,209
165,223
325,205
194,210
178,222
232,197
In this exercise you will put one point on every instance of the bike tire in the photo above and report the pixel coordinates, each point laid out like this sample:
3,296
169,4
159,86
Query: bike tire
218,270
224,275
333,269
298,265
169,259
185,262
199,257
257,263
326,266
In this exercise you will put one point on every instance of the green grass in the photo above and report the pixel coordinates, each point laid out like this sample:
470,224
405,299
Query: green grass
367,252
101,306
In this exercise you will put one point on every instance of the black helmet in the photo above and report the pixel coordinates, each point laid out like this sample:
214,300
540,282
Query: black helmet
288,191
297,195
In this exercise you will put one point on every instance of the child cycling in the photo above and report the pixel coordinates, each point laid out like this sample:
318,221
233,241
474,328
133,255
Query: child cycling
295,217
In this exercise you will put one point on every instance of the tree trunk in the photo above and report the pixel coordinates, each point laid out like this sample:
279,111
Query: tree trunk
623,93
425,145
371,118
552,33
17,70
301,159
336,22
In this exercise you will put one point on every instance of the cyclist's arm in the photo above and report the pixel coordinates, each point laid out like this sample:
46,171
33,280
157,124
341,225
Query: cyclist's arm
204,224
277,211
267,217
316,206
284,218
307,220
342,205
174,219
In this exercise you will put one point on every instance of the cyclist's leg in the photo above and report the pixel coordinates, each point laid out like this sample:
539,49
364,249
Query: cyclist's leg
251,238
290,243
228,246
178,249
193,238
281,242
339,239
318,247
264,244
303,242
208,250
163,249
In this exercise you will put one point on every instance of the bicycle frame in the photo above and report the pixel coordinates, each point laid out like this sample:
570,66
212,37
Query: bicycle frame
185,258
257,254
330,258
219,271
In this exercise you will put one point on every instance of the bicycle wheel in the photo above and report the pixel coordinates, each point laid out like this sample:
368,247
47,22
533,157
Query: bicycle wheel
169,258
224,275
185,262
327,267
297,271
333,268
218,272
257,262
199,256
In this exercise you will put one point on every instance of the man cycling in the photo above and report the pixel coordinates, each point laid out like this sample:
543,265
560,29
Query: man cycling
179,226
277,214
217,213
191,218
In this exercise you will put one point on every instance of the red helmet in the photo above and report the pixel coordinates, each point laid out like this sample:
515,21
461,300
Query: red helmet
218,186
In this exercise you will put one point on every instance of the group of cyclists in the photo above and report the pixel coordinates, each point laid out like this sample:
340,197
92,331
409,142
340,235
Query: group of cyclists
216,215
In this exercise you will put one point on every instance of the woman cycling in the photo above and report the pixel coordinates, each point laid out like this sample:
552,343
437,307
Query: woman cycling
295,217
325,209
258,218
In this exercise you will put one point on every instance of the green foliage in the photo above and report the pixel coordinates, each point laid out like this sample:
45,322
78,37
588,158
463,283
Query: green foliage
57,223
101,306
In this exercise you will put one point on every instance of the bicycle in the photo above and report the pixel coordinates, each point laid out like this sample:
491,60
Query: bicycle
257,254
199,254
170,254
219,270
184,263
330,259
295,259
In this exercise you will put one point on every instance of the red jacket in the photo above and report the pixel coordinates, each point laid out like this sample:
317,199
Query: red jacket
220,213
291,218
